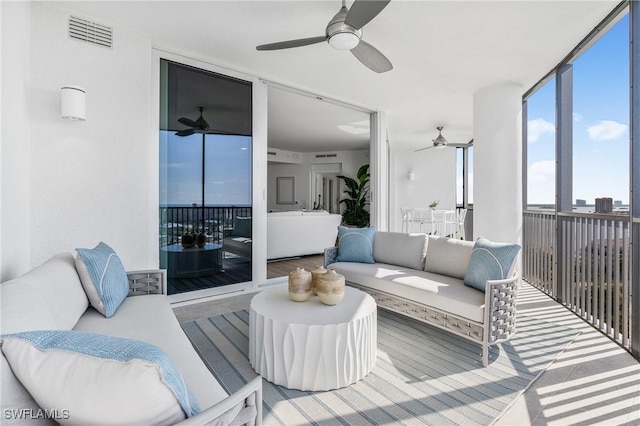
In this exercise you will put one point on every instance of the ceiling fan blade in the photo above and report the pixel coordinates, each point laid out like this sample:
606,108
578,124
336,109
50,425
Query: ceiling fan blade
188,122
363,11
371,57
422,149
187,132
292,43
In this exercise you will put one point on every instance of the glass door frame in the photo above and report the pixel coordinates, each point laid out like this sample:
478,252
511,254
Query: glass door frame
259,175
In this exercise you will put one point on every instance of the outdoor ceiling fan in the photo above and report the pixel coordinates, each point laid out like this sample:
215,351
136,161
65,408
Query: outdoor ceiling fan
344,32
441,142
200,125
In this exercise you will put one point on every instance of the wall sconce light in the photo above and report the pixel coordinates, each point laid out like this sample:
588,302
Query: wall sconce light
73,103
411,176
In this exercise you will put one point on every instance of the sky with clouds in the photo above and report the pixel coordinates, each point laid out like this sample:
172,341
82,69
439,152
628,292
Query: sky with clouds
600,125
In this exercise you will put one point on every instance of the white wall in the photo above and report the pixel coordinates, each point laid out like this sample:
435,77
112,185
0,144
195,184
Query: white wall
350,160
90,180
15,142
435,180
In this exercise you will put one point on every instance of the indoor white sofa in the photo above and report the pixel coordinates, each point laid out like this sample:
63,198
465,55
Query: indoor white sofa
51,297
300,232
423,276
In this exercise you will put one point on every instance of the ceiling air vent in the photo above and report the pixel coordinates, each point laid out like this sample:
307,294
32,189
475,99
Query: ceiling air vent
326,155
91,32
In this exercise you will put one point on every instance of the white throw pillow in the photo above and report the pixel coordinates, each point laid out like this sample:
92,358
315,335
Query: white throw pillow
86,378
103,277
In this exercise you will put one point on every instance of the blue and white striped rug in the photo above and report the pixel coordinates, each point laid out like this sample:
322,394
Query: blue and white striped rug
422,375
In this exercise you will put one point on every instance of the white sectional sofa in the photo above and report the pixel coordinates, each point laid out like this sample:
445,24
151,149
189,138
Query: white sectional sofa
300,233
423,277
51,297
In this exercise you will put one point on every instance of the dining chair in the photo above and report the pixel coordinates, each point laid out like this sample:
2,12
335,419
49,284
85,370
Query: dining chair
406,218
422,218
460,231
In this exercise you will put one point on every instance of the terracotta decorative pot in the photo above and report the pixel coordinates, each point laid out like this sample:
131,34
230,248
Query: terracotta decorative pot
331,287
314,278
299,285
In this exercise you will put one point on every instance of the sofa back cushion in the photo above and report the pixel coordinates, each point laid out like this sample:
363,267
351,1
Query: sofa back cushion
49,296
400,249
448,256
242,227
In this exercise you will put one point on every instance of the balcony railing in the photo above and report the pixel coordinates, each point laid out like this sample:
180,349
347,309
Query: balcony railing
213,221
584,261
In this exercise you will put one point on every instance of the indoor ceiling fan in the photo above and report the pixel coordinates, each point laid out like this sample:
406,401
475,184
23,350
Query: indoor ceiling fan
441,142
344,32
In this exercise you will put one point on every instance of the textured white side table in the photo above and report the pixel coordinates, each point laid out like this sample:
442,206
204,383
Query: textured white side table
309,345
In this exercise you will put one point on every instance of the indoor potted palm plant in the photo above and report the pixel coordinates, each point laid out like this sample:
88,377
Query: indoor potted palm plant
355,212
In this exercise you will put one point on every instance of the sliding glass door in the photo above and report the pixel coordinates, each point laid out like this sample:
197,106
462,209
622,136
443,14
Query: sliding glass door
205,178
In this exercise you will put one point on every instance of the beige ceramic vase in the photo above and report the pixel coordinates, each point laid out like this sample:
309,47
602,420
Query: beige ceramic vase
331,287
299,285
314,278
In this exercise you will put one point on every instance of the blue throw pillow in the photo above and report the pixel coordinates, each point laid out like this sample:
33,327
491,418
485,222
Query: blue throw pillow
93,376
489,261
355,244
103,277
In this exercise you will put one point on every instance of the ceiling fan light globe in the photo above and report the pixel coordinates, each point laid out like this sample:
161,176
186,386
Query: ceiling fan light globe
344,40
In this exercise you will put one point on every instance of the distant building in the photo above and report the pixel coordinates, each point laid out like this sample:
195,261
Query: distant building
604,205
581,203
617,203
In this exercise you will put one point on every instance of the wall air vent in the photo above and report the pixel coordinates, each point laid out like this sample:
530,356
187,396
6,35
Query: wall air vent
271,153
326,155
90,32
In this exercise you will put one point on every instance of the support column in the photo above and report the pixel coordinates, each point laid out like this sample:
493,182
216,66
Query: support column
379,169
497,162
635,178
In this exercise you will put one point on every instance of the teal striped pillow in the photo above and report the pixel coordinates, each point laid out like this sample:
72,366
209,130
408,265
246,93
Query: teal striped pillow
490,261
103,277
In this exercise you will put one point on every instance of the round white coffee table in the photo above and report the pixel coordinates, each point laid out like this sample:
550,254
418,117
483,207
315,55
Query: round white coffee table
309,345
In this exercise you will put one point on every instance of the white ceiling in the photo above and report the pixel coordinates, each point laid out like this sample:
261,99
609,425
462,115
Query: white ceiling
442,52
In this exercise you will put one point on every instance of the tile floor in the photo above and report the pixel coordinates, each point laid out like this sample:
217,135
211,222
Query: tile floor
593,381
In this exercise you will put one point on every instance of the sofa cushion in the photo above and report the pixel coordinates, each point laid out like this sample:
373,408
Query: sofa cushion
400,249
442,292
93,376
49,296
242,227
149,318
355,244
103,277
448,256
490,261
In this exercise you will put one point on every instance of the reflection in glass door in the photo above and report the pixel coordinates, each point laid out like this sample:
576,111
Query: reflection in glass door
205,178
